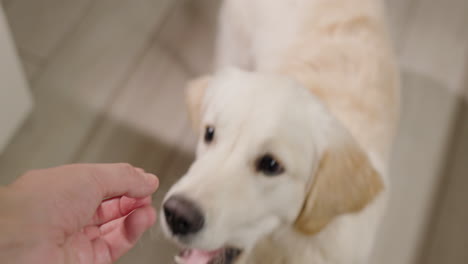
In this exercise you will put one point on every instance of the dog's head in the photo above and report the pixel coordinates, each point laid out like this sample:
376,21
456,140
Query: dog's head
269,155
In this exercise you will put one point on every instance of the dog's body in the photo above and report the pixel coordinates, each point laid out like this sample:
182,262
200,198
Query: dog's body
338,50
342,43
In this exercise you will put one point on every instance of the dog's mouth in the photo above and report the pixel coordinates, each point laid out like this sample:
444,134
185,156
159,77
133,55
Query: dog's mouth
226,255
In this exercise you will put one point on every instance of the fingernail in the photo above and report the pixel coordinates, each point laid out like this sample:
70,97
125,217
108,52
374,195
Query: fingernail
151,178
140,170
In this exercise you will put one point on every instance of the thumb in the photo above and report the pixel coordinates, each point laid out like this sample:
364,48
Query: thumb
74,192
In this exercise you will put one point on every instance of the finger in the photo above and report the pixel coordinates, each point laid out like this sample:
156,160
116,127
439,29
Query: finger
124,236
117,207
117,224
110,180
123,179
101,251
92,232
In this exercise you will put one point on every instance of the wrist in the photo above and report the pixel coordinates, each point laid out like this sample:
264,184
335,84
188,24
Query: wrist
14,234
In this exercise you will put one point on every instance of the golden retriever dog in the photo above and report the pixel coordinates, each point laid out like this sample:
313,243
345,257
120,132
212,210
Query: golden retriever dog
295,130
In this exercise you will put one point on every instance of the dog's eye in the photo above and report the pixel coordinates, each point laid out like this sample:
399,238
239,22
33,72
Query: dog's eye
209,134
268,165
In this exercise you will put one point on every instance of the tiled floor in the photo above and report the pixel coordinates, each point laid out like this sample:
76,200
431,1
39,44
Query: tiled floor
108,77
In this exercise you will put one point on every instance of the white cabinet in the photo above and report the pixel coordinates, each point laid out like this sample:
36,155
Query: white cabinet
15,97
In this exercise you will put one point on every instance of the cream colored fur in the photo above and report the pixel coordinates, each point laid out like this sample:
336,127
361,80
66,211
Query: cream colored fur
335,140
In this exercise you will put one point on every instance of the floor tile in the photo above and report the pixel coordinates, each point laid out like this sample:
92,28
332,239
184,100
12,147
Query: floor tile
6,3
189,34
31,64
39,26
399,12
145,123
436,43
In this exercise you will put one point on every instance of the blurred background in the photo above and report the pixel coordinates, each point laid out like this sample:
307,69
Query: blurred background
102,81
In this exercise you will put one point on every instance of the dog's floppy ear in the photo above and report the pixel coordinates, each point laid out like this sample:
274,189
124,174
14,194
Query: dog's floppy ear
344,182
195,92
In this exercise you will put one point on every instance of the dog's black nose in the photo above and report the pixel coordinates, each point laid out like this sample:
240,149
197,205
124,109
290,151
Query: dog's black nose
183,216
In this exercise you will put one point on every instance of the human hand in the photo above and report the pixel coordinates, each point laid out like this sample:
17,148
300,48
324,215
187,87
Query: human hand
58,215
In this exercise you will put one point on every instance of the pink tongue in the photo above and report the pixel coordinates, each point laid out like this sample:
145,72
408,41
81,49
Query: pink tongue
194,256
